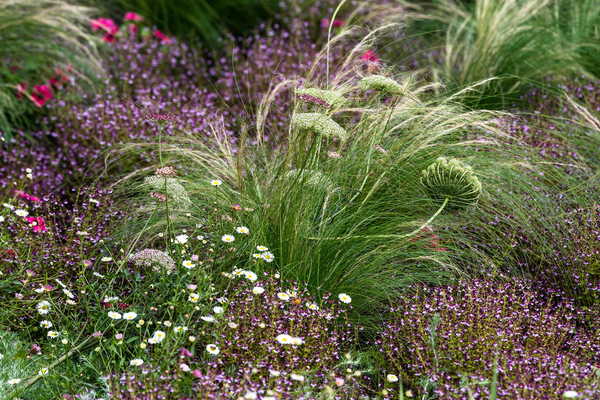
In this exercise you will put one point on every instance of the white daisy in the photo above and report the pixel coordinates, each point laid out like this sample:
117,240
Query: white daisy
130,316
570,394
43,371
194,297
208,318
180,329
297,377
243,230
157,337
22,213
312,306
216,182
258,290
232,325
43,307
68,293
188,264
212,349
251,396
392,378
267,256
181,239
284,338
9,206
53,334
283,296
114,315
227,238
297,341
106,259
251,276
46,324
136,362
262,248
344,298
218,310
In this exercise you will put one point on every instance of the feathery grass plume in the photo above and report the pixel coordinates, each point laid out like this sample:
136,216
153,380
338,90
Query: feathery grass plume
328,98
172,186
37,37
507,45
156,259
453,180
320,124
381,83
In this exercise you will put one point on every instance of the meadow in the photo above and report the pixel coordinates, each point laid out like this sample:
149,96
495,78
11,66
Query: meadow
299,199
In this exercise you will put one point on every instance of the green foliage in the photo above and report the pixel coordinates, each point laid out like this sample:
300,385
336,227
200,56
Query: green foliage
206,20
27,58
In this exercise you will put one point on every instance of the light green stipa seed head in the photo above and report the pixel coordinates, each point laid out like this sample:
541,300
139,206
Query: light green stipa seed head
318,123
174,189
324,98
452,179
381,83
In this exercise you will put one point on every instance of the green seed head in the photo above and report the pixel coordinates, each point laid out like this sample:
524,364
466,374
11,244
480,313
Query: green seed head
381,83
320,124
451,179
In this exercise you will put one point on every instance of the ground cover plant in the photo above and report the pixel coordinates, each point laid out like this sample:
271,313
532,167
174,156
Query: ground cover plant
319,207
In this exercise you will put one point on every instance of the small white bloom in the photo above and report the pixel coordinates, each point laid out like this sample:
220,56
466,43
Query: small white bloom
243,230
258,290
570,394
43,371
181,239
70,302
97,274
273,372
216,182
297,377
228,238
110,299
180,329
53,334
43,307
184,367
81,233
312,306
64,341
267,256
262,248
9,206
218,310
208,318
1,218
284,338
251,395
46,324
251,276
188,264
106,259
344,298
192,339
283,296
212,349
297,341
130,316
194,297
157,337
392,378
136,362
14,381
232,325
114,315
22,213
68,293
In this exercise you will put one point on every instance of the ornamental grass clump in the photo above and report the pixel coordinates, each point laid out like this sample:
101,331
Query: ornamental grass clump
451,340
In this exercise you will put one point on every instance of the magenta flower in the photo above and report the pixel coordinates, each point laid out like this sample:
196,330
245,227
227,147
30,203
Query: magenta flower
163,38
183,352
370,56
26,196
106,24
41,94
197,373
131,16
37,223
336,23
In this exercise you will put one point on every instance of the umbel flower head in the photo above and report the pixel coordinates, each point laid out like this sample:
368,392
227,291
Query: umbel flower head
173,188
318,123
381,83
325,98
453,180
156,259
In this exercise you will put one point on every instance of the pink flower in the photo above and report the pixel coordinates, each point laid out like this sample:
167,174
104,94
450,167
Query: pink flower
132,28
106,24
183,352
41,94
108,38
163,38
370,56
37,223
131,16
26,196
21,89
336,23
197,373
